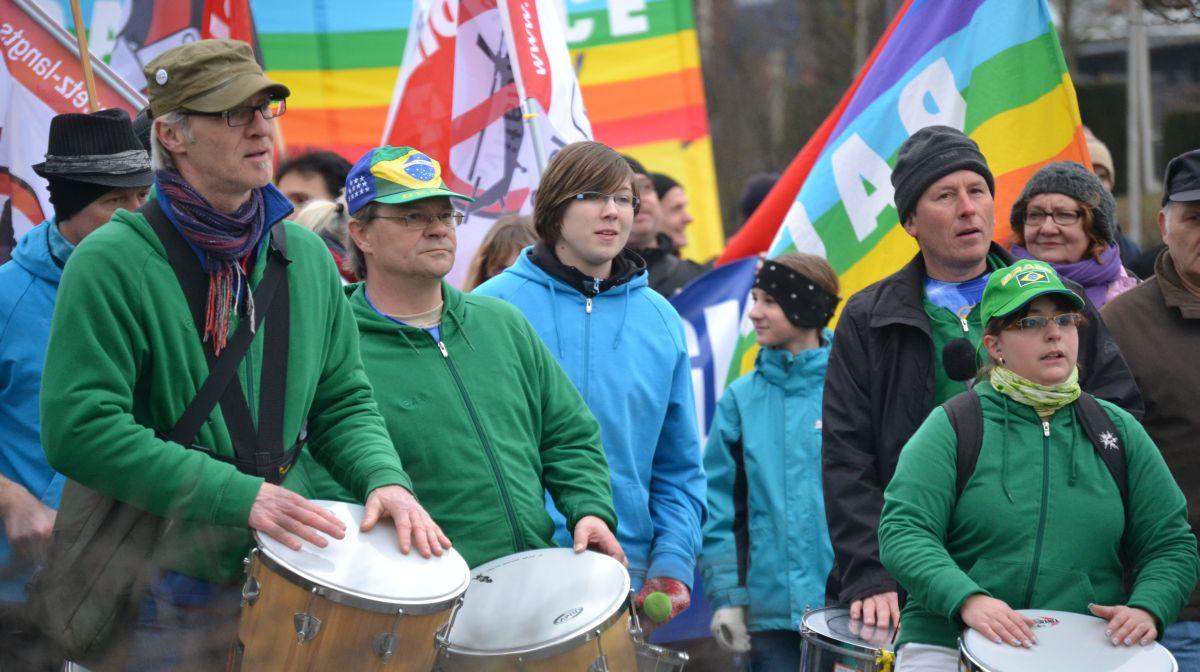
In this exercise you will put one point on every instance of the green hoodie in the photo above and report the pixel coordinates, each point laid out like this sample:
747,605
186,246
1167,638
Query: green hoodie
1039,524
486,422
126,359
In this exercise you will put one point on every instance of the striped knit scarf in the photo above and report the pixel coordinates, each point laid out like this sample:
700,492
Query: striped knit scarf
226,240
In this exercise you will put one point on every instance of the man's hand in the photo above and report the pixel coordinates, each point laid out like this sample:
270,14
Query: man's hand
289,518
27,522
413,524
997,621
878,611
593,533
1127,625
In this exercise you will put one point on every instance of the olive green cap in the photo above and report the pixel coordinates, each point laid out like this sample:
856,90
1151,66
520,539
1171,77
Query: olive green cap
1010,288
206,76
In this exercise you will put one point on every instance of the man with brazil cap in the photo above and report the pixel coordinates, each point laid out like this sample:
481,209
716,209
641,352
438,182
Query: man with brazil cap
120,400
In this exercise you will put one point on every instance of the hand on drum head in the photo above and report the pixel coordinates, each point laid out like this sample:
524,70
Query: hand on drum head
997,621
593,533
1127,625
872,634
289,518
880,611
414,527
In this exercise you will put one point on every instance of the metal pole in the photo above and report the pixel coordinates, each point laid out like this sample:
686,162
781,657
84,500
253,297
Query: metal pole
531,110
1149,174
1133,150
85,56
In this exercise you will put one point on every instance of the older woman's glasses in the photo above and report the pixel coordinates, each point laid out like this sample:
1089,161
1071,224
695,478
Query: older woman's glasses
1060,217
622,201
1040,322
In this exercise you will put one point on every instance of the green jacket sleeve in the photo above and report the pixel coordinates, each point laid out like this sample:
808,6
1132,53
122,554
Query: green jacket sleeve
574,467
719,556
917,508
89,430
1158,540
347,434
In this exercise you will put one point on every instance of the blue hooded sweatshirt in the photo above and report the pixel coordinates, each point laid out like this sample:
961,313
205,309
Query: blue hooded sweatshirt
766,544
28,287
625,351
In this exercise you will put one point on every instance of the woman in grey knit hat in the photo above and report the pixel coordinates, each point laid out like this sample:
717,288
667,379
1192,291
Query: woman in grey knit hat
1066,218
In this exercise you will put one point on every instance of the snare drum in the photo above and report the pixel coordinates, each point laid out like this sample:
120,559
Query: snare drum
1066,641
357,604
832,645
543,610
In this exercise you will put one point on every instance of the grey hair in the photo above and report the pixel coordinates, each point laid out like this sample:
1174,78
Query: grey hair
355,261
160,158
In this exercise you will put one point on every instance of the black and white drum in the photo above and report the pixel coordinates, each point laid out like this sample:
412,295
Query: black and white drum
1066,641
835,643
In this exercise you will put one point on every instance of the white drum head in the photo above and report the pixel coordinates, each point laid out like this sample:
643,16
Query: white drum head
833,623
370,566
1066,641
529,601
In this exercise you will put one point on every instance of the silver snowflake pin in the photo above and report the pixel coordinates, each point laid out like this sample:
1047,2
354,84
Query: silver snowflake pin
1108,440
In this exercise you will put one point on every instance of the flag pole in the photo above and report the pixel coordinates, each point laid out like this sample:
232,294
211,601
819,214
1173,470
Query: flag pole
85,56
530,109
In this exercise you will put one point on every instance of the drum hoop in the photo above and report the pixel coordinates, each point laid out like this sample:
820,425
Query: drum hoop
835,645
535,653
964,655
359,600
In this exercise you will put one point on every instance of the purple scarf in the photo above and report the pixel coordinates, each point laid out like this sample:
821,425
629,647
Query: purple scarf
227,241
1094,275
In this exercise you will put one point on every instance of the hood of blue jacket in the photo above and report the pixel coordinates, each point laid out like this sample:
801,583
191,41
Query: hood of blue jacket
33,253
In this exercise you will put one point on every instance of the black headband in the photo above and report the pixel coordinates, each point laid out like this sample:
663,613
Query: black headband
804,302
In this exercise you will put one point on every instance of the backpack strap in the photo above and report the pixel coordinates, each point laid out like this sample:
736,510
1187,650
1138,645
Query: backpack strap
966,417
259,453
1107,442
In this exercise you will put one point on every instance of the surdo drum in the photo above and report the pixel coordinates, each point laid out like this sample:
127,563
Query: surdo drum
834,643
1066,641
357,604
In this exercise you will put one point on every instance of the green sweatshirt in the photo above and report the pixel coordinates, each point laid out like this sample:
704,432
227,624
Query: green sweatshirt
126,359
945,326
486,422
1039,525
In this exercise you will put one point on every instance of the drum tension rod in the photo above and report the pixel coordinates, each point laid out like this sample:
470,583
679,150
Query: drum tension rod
251,589
600,664
307,625
385,642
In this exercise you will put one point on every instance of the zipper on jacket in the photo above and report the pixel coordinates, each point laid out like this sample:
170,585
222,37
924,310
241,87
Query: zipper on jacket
966,327
1041,531
518,540
588,306
587,351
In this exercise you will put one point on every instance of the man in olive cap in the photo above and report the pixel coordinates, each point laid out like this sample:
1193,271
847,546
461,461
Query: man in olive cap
893,353
94,165
131,354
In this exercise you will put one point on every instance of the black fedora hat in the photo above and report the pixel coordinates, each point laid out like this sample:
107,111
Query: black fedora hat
98,148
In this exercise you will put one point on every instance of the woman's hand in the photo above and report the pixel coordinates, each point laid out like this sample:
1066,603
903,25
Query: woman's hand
1127,625
997,621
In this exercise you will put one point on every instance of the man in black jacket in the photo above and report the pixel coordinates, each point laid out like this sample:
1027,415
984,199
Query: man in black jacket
886,370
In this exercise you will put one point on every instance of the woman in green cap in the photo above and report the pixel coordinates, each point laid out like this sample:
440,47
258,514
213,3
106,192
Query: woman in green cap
1044,519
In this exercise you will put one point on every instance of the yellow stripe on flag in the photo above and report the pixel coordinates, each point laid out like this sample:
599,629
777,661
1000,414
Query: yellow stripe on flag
692,166
1031,133
651,57
893,251
338,89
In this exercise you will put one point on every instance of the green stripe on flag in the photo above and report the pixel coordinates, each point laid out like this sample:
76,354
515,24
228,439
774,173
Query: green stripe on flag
332,51
1012,78
662,18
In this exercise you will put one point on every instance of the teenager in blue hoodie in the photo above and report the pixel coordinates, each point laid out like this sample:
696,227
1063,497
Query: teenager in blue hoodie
766,546
94,165
622,345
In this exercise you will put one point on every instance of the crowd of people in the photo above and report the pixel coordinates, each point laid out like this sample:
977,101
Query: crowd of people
986,430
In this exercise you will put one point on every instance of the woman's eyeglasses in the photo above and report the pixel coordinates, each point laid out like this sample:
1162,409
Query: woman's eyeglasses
622,201
1060,217
1039,322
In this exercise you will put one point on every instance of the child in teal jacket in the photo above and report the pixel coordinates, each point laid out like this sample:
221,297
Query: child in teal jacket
766,549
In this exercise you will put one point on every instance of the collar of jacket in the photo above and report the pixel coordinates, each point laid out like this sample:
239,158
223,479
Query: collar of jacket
625,266
1169,283
795,372
899,297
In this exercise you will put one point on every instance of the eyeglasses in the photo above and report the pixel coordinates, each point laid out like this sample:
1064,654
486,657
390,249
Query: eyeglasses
1040,322
1060,217
622,201
416,221
243,116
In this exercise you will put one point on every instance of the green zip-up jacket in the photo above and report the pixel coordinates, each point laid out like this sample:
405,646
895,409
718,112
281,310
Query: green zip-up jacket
125,359
486,422
1039,525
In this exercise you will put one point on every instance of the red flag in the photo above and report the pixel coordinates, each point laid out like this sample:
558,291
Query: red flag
227,20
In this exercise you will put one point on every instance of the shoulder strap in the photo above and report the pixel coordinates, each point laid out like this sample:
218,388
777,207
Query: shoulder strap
1107,442
966,417
258,453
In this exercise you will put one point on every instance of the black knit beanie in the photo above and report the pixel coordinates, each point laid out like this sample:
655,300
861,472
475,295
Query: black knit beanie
1071,179
69,197
929,155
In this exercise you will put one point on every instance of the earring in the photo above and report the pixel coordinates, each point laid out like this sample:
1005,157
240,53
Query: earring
1001,360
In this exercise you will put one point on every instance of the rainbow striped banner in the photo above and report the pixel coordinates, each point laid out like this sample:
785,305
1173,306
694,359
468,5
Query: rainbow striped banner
992,68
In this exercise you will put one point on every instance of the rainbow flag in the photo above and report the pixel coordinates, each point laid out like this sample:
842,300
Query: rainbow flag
993,68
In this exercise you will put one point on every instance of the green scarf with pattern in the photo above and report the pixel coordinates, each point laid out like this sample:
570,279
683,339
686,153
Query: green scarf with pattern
1044,399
